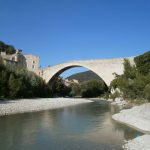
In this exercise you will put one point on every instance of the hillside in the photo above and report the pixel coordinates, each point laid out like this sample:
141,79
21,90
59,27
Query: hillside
84,76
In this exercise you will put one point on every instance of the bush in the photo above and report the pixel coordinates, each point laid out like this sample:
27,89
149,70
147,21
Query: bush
93,88
20,83
75,90
147,92
9,49
114,95
134,83
143,63
59,88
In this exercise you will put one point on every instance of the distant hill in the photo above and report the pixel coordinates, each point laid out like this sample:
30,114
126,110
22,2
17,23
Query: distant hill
84,76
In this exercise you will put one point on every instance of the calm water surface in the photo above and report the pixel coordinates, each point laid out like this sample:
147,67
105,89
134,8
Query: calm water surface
82,127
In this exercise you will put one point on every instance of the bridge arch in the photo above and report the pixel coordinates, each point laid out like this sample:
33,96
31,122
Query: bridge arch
53,78
104,68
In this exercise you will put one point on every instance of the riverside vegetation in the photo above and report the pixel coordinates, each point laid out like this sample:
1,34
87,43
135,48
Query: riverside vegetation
20,83
134,83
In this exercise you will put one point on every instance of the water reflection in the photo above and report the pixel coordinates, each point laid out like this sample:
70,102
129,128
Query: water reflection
87,126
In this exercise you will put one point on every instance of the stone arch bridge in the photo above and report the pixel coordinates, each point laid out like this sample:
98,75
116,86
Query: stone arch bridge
104,68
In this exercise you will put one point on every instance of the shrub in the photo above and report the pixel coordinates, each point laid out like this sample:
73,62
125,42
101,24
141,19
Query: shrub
93,88
147,92
134,83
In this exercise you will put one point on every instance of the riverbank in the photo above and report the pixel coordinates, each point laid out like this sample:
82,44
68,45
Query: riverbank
137,117
139,143
33,105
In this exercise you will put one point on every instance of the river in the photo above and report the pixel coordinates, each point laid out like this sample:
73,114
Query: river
81,127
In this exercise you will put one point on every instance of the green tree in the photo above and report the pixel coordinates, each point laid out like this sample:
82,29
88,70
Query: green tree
14,86
134,82
129,70
10,49
1,60
143,63
75,90
3,83
147,92
59,88
93,88
2,46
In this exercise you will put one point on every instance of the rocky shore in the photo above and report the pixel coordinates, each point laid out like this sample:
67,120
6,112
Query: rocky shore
137,117
33,105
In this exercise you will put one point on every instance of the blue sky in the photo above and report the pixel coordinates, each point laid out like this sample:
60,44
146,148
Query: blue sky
64,30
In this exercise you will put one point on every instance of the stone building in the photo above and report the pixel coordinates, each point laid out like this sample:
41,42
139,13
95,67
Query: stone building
28,61
16,59
32,63
68,82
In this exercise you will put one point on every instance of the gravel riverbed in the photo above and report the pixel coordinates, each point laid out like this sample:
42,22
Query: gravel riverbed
137,117
33,105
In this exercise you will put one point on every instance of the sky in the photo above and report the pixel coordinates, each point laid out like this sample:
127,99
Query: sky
64,30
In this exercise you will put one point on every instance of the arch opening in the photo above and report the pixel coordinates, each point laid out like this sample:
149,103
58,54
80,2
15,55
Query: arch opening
56,77
62,70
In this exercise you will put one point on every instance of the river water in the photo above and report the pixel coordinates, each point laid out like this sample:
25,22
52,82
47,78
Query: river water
81,127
